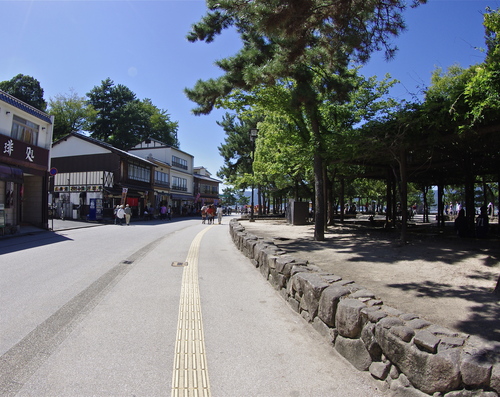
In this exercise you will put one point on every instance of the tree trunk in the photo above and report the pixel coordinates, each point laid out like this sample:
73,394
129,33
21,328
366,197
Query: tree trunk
342,199
329,200
388,209
259,200
440,204
319,199
404,195
426,205
470,210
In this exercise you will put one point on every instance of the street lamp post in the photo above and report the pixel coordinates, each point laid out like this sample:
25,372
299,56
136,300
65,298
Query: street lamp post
254,132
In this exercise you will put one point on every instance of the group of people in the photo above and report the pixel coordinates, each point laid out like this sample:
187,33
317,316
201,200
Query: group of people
123,214
482,224
208,213
453,210
166,212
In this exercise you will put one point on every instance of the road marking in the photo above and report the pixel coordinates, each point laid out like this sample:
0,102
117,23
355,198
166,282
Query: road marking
190,373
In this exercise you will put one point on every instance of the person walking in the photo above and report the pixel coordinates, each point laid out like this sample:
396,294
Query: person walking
204,213
120,214
169,212
128,214
461,224
219,214
210,214
482,223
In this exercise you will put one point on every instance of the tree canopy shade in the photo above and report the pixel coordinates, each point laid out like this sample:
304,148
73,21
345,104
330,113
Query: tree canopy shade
310,42
123,120
26,89
451,138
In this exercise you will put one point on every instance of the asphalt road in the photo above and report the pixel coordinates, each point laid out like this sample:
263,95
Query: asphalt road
154,309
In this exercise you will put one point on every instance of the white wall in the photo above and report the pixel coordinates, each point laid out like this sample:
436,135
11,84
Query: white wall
74,146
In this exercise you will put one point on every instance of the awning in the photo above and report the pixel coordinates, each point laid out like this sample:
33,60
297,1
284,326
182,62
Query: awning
11,174
181,197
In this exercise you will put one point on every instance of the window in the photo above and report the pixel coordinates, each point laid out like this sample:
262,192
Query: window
25,131
139,173
179,183
161,178
179,163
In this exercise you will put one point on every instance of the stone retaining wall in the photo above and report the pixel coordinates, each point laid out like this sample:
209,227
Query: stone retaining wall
409,355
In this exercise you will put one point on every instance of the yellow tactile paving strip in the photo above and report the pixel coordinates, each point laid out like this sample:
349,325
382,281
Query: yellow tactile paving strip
190,374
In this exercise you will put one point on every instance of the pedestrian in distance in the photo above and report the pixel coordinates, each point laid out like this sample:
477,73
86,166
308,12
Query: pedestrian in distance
204,214
482,223
219,214
210,214
461,224
120,215
128,214
169,212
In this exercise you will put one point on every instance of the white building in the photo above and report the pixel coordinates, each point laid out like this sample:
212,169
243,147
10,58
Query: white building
25,142
94,177
181,193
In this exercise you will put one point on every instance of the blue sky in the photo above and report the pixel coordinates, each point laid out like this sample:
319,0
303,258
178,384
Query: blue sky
74,45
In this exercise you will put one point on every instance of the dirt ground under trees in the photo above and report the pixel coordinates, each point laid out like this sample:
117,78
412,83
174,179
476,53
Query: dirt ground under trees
439,277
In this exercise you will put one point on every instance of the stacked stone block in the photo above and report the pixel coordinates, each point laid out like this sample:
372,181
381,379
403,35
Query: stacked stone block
410,356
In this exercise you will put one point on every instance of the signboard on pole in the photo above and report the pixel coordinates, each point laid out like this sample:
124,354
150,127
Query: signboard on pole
124,195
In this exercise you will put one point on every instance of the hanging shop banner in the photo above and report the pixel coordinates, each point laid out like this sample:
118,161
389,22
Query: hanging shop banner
124,195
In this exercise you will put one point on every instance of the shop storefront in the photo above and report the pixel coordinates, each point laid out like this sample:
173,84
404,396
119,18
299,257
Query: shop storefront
182,205
25,135
94,177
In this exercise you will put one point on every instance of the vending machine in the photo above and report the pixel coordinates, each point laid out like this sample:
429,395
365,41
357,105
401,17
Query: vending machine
95,210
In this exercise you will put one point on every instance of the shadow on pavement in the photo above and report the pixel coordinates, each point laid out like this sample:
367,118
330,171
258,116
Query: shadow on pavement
30,240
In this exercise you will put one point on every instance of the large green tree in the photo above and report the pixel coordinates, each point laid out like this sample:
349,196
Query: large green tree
161,127
284,157
71,113
292,39
236,150
112,104
123,120
26,89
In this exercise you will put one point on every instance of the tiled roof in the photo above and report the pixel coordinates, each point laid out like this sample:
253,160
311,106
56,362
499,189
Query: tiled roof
206,178
104,145
24,107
